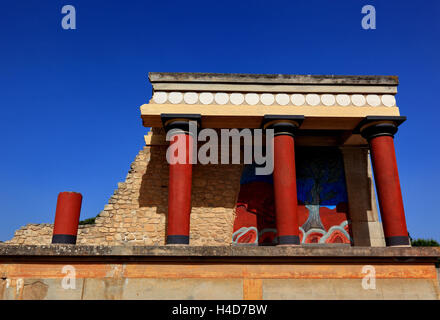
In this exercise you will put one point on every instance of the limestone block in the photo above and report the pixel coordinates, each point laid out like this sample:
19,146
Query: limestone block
339,289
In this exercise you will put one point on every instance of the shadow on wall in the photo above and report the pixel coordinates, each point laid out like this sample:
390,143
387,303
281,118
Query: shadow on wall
213,198
154,186
214,185
362,203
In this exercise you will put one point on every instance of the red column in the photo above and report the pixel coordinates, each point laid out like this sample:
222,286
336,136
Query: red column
179,191
284,182
284,175
183,131
67,217
386,176
380,134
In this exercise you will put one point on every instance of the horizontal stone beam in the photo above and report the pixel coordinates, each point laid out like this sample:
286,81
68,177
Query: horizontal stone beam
307,251
245,116
160,77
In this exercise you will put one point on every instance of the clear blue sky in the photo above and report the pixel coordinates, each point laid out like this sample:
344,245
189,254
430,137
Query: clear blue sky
70,99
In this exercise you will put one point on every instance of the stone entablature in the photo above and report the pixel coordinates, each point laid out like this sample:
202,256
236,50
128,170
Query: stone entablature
268,99
279,83
241,101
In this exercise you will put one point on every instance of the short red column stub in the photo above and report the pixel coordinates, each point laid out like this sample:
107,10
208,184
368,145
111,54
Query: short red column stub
67,217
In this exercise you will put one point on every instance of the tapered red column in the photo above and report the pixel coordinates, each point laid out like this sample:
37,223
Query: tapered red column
180,158
179,193
383,157
284,177
67,217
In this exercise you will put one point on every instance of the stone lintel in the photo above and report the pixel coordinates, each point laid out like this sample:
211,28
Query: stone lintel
214,116
133,253
158,77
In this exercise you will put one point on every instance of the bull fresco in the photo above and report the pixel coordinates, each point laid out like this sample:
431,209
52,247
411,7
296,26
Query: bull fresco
322,201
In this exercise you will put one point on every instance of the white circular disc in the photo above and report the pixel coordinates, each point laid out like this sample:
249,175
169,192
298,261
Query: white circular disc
343,99
160,97
221,98
206,97
252,98
175,97
236,98
298,99
388,100
190,97
373,100
312,99
267,99
282,99
358,100
328,99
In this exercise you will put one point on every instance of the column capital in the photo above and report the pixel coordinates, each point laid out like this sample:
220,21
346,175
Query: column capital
282,124
180,121
375,126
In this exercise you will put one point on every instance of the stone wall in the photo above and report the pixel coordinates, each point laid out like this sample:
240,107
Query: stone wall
136,213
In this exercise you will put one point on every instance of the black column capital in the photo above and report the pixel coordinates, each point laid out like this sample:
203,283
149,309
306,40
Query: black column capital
376,126
282,124
179,121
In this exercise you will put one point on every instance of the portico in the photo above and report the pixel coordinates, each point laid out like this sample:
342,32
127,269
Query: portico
355,113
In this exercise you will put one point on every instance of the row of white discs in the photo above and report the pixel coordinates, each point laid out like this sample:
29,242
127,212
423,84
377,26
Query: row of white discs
268,99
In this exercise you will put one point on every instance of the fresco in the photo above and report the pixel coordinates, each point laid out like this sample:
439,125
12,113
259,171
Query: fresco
322,201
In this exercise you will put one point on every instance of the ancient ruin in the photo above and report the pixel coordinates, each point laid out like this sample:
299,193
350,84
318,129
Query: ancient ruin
313,223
